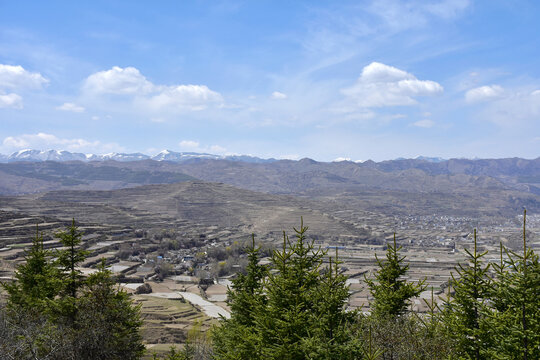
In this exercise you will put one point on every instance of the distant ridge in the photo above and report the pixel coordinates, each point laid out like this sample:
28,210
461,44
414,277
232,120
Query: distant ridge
432,165
31,155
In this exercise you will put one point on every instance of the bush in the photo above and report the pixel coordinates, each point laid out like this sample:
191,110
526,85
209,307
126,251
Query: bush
144,289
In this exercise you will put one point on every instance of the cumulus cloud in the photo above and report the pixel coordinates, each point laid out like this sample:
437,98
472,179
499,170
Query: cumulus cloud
70,107
382,85
48,141
426,123
484,93
118,81
278,95
181,97
16,77
11,101
149,96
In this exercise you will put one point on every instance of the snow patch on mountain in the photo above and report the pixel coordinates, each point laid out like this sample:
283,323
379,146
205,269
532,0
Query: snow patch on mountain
32,155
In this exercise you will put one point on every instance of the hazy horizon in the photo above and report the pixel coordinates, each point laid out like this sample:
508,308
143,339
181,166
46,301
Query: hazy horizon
362,80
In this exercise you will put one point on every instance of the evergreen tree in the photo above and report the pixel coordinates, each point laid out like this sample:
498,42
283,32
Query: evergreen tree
305,316
298,311
248,294
36,279
69,258
516,319
465,314
236,337
67,261
392,293
54,313
107,323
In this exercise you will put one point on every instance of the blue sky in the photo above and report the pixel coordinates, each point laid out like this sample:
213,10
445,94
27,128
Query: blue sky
326,80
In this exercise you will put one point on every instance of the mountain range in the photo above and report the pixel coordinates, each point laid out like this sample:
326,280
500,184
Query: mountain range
407,185
165,155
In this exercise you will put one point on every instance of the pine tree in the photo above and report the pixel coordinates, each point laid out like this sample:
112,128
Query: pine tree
36,280
69,258
107,324
56,314
392,293
516,319
298,311
331,337
465,314
67,261
248,294
236,338
290,291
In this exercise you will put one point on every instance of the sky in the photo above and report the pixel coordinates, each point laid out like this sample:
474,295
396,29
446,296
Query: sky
326,80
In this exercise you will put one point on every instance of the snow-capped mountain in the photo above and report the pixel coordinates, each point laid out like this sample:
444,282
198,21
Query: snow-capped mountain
165,155
430,159
122,157
48,155
168,155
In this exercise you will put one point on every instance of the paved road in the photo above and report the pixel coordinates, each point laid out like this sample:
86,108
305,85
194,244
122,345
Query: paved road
209,309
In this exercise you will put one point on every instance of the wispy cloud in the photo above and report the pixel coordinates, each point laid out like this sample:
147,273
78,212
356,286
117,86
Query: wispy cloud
70,107
278,95
195,146
484,93
425,123
11,101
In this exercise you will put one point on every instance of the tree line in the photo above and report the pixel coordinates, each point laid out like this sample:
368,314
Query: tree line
294,307
54,312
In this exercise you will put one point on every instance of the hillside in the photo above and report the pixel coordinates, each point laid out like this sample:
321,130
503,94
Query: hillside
454,187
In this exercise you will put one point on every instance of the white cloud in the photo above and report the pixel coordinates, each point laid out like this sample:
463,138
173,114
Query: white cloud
95,118
195,146
516,108
70,107
11,101
189,144
484,93
401,15
16,77
425,123
48,141
149,97
118,81
381,85
182,97
447,9
278,95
